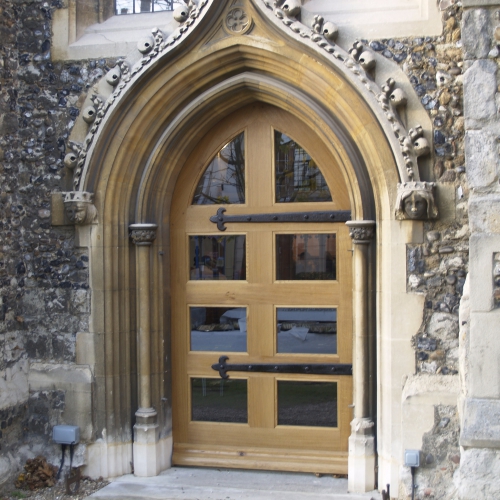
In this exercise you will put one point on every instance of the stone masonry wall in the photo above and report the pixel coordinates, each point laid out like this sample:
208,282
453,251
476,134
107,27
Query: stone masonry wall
44,290
45,297
479,474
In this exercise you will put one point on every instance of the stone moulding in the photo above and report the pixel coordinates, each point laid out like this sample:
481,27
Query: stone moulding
125,76
80,208
357,62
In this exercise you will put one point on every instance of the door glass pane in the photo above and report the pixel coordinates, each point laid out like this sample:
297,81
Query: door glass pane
217,257
218,400
307,403
307,330
306,257
298,178
218,329
224,179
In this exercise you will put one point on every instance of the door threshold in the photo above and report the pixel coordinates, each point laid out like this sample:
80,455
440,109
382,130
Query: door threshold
196,483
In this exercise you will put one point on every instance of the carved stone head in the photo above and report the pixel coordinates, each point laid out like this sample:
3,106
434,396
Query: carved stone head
80,208
416,201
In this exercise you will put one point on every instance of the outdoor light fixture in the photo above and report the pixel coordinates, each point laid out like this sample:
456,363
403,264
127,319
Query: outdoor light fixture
68,435
412,460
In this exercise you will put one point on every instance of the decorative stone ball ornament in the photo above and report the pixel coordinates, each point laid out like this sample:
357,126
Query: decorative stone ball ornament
291,7
415,201
80,208
70,160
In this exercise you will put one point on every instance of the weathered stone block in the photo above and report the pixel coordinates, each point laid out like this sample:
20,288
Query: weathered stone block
481,151
480,87
14,384
475,34
481,423
76,381
421,394
483,355
479,477
484,213
482,249
480,3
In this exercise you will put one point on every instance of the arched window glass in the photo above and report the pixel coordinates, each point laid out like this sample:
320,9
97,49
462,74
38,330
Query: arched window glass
298,178
224,179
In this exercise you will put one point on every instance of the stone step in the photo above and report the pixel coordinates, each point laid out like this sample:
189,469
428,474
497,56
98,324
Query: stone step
222,484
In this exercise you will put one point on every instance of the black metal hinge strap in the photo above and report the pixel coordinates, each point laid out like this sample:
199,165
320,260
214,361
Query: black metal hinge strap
332,216
308,368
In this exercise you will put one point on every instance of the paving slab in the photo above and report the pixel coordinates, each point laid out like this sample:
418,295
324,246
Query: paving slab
190,483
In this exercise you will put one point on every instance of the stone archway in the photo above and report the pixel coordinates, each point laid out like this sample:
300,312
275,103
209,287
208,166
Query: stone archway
132,168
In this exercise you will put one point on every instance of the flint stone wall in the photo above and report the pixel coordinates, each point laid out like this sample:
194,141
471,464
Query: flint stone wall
45,296
44,287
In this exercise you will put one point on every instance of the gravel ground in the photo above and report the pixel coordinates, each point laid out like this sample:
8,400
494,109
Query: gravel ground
58,491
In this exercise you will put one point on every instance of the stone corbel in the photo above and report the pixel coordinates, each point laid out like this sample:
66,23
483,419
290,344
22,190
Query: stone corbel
80,208
416,201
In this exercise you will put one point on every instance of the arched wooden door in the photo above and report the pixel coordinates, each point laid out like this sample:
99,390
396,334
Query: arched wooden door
263,294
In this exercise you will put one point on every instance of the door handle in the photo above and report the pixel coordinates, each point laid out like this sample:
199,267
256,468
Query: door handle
304,368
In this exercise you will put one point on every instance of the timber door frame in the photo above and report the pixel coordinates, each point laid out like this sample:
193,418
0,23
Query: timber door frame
258,122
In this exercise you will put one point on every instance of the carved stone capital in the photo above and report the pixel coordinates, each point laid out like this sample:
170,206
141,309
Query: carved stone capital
80,208
415,201
143,234
361,231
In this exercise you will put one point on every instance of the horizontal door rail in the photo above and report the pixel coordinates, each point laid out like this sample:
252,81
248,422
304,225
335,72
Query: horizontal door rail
308,368
332,216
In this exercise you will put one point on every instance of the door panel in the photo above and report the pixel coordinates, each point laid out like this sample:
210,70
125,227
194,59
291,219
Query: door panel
260,420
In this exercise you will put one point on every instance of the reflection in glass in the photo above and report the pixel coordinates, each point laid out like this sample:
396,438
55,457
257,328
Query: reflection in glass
298,178
218,329
306,257
218,400
224,179
137,6
307,330
307,403
217,257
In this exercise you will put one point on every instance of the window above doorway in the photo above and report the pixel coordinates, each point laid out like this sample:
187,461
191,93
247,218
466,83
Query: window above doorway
123,7
93,29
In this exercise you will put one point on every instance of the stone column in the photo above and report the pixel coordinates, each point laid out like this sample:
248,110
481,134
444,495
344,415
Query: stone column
361,462
146,431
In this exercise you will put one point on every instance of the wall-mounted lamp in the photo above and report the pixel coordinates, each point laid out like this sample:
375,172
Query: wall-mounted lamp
66,435
412,460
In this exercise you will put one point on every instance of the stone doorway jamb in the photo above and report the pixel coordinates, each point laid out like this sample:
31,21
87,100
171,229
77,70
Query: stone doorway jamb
361,461
146,450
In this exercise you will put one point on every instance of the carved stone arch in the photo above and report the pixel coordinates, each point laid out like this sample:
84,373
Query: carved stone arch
132,165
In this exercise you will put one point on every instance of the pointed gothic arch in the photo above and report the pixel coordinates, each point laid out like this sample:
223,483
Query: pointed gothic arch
132,167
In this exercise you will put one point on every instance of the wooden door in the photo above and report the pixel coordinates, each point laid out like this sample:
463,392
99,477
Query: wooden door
260,293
